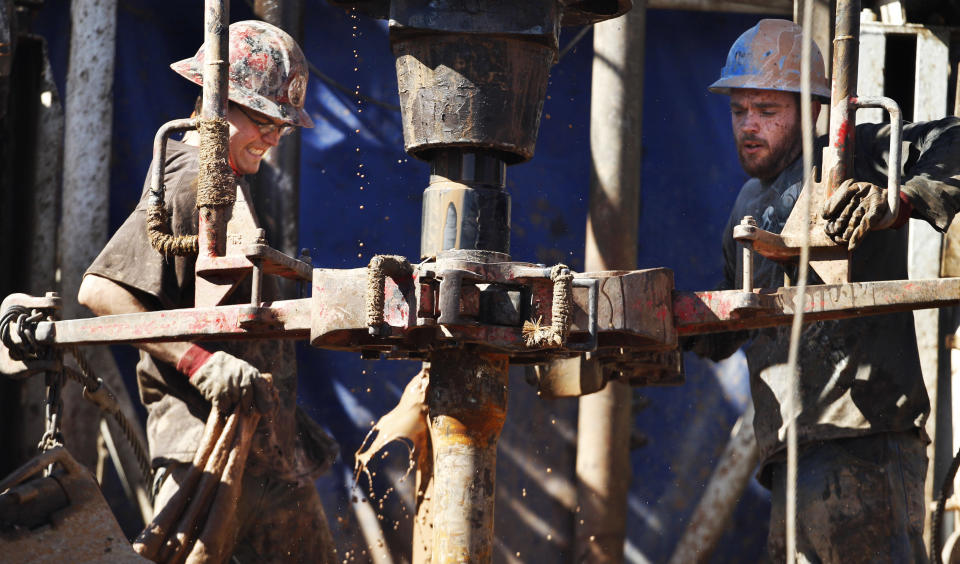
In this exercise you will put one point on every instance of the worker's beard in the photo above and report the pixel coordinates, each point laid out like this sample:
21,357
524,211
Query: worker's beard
773,157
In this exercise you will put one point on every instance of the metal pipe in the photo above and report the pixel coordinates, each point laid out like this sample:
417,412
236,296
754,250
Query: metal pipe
212,223
467,405
603,436
157,188
896,152
839,162
216,58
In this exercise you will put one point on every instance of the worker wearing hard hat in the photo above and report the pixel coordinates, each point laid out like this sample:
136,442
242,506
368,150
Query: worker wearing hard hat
862,457
279,516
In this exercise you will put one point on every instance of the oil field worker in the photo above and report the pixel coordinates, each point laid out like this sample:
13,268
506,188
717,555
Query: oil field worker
862,460
279,514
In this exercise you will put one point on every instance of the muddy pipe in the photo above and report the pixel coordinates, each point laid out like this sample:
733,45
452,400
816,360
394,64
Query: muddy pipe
838,156
467,405
212,228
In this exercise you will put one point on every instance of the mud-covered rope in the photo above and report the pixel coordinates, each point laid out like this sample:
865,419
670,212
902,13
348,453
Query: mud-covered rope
216,183
165,243
535,336
379,268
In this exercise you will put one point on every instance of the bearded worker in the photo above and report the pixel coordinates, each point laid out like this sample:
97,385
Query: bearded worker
279,516
862,456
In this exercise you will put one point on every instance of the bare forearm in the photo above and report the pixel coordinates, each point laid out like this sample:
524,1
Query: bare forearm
105,297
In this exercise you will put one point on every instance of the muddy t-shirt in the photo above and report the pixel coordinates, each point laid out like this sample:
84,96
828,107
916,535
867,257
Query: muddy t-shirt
858,376
176,410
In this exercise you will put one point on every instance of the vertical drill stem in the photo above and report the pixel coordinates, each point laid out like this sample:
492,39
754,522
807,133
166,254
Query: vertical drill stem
468,404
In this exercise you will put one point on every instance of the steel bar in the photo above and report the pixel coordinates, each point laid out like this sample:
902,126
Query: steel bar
691,312
711,312
604,425
284,319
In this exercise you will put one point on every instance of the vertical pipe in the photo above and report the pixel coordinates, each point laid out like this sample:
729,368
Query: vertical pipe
277,199
467,401
839,164
216,15
603,436
88,127
468,404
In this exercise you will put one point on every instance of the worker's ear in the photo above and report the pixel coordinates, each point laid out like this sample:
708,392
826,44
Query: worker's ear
814,110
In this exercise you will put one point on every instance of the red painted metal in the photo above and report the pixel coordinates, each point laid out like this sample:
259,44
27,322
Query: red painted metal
713,312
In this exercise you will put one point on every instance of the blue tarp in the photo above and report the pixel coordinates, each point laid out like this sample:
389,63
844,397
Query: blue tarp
360,195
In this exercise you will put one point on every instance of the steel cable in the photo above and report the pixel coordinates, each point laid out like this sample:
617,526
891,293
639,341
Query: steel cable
91,384
806,123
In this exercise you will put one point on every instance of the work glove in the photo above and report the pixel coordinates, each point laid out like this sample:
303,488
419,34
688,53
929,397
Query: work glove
852,210
223,379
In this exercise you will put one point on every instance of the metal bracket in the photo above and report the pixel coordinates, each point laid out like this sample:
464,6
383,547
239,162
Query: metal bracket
593,286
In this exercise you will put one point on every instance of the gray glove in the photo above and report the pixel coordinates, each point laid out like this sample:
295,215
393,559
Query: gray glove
854,209
223,379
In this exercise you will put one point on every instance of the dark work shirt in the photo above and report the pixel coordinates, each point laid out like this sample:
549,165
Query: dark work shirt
858,376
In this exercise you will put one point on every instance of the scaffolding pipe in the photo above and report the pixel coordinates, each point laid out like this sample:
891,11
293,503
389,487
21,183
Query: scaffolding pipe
605,422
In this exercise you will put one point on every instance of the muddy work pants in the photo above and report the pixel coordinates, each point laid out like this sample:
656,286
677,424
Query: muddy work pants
858,500
277,521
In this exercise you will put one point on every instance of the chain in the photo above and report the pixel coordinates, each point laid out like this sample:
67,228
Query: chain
53,436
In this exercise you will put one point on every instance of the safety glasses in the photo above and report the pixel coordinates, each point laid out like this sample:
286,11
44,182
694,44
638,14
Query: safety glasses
267,126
